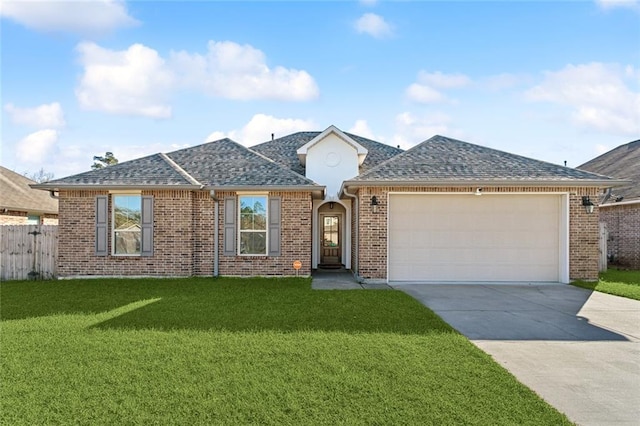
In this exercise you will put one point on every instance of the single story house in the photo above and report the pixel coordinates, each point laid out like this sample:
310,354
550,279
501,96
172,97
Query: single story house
22,205
444,211
620,207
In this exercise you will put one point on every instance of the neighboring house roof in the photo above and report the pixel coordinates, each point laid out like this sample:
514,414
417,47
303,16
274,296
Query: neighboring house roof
284,150
222,164
622,162
15,194
442,160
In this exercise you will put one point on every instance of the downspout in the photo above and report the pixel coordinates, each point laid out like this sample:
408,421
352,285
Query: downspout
357,231
216,243
52,194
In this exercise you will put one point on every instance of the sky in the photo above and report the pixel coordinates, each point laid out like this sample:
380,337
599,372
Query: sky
552,80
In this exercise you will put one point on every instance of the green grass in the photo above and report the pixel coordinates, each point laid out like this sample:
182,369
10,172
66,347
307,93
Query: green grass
618,282
253,351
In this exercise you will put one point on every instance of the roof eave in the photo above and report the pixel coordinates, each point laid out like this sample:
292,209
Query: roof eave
317,190
106,187
486,182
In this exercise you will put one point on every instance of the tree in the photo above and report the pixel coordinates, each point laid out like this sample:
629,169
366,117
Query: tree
40,176
102,162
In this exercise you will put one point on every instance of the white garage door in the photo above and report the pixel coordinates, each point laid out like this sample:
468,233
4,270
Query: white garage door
474,238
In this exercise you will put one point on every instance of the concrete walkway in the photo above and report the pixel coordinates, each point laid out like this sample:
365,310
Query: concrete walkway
579,350
340,279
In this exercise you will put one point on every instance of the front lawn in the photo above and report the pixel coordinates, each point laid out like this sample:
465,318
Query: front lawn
250,351
618,282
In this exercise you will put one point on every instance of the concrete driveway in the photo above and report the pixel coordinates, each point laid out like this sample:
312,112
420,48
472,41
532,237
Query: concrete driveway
579,350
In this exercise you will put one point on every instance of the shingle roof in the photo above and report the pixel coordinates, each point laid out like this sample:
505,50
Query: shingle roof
147,171
442,159
213,164
227,163
622,162
15,194
283,150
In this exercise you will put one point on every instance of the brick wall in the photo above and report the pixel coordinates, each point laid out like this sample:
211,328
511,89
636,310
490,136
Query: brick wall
295,240
14,217
623,224
173,238
184,227
372,228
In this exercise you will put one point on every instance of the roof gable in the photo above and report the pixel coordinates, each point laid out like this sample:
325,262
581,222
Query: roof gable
622,162
360,150
445,160
284,150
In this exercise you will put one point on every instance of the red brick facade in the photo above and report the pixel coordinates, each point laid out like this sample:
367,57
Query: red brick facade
372,228
14,217
184,229
184,233
623,224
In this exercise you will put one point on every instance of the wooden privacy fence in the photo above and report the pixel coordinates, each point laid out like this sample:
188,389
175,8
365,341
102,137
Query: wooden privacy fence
28,252
604,237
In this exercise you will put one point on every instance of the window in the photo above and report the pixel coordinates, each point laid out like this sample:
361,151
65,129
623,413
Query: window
253,224
33,220
127,224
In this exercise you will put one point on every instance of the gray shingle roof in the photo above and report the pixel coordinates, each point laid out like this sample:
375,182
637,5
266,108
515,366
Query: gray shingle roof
442,159
15,194
213,164
622,162
147,171
227,163
283,150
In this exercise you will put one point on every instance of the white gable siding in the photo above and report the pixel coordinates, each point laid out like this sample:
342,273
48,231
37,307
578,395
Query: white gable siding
330,162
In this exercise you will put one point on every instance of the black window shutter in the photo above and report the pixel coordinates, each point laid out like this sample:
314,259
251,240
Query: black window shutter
146,248
274,226
229,237
102,225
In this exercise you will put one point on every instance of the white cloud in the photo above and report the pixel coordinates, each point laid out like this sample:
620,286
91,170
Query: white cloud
235,71
374,25
605,97
138,81
611,4
134,81
79,16
412,129
260,128
42,116
361,128
425,89
36,147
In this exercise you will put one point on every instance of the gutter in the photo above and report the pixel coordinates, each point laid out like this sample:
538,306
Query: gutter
488,182
357,230
216,231
619,203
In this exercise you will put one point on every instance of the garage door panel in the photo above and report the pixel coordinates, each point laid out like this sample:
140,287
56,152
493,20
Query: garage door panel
511,237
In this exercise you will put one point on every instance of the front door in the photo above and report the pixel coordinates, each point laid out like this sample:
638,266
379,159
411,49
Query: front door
330,250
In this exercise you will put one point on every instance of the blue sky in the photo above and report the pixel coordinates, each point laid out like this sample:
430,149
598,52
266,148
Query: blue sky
550,80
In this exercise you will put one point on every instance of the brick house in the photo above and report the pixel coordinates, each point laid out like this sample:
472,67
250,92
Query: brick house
22,205
620,207
445,210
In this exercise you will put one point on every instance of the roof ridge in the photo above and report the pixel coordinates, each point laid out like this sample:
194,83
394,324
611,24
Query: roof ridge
179,169
276,163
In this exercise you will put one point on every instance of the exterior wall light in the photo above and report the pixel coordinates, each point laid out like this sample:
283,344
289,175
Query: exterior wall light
587,204
374,204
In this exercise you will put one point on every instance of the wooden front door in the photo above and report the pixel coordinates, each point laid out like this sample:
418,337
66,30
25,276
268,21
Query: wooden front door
331,249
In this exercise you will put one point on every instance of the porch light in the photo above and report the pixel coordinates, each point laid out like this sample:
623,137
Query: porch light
587,204
374,204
